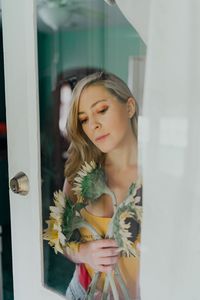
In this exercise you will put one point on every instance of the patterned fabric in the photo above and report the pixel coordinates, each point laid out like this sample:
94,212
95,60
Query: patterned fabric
75,290
84,276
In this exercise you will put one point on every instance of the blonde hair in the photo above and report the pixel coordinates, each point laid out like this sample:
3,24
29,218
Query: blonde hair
81,148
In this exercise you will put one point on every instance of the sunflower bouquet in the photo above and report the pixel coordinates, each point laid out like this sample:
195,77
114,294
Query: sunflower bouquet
65,219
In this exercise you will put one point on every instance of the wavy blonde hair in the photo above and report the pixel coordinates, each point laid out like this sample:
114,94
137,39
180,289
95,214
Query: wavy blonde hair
81,148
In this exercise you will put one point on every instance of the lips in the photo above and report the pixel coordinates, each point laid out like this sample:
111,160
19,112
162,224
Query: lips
102,137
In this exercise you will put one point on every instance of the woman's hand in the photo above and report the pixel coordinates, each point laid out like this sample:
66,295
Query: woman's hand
101,255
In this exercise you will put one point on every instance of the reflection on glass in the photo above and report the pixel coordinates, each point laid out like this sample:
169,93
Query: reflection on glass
75,38
65,99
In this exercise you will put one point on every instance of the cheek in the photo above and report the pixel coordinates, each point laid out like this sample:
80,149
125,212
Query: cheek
122,128
84,128
119,121
86,131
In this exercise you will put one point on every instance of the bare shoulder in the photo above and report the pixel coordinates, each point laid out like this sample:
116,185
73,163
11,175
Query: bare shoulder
67,190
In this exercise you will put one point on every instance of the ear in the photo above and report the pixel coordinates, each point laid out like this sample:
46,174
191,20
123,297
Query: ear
131,107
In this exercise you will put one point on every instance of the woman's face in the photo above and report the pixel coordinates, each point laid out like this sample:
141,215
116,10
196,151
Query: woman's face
104,119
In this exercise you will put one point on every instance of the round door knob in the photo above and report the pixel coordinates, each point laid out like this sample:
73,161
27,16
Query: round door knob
19,184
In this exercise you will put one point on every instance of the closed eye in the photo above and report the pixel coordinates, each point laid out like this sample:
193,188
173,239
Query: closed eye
83,121
103,110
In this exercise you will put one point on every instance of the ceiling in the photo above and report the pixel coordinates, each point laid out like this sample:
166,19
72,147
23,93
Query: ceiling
53,15
77,14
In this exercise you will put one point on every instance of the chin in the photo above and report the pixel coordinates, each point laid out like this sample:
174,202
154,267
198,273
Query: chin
105,149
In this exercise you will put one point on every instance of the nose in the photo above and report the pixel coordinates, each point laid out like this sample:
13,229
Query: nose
94,124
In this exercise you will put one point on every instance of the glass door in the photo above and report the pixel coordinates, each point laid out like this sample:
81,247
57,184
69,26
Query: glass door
49,46
75,39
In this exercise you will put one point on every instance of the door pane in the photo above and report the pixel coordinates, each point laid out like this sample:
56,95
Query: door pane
76,38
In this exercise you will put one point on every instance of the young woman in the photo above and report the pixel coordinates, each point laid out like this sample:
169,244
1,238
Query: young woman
102,126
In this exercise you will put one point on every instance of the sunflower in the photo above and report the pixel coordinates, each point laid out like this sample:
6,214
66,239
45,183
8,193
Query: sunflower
126,235
89,184
54,233
134,188
64,221
57,211
126,226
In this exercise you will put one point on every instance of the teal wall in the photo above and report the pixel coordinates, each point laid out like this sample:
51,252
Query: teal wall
104,47
108,48
120,43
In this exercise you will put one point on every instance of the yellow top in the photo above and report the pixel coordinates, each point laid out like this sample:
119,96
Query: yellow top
129,266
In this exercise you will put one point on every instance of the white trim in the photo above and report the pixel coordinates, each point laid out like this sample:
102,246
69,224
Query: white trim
22,110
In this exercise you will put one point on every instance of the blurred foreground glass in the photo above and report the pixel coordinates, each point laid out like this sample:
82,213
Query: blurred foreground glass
76,38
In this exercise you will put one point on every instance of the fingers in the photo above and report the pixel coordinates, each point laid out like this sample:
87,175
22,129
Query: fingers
107,261
105,269
105,243
105,254
105,264
108,252
101,255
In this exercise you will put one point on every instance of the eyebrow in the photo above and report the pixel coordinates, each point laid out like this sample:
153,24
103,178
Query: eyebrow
95,103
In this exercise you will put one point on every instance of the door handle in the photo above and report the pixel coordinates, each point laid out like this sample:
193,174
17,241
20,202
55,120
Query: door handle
19,184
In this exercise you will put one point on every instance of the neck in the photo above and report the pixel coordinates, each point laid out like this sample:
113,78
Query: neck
123,157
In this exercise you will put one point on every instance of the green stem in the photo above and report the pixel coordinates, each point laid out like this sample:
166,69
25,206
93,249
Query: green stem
105,289
85,224
122,284
113,286
114,200
109,233
92,286
93,231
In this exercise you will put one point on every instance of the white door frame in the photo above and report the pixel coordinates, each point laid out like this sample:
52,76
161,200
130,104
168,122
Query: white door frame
22,113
